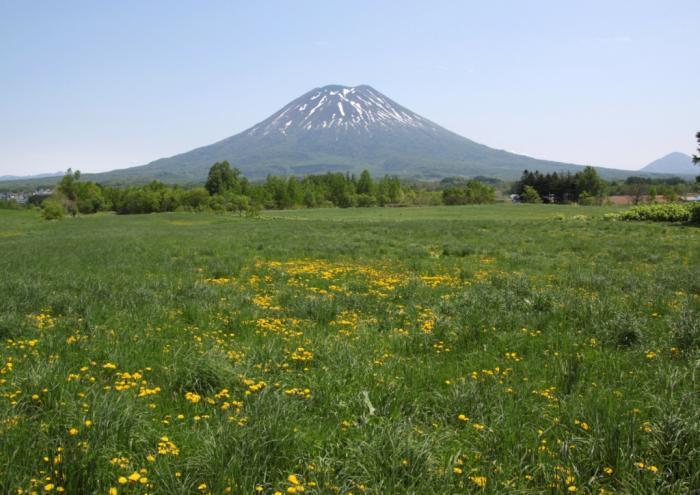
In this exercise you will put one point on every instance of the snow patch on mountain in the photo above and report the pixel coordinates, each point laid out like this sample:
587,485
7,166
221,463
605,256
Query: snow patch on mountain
359,108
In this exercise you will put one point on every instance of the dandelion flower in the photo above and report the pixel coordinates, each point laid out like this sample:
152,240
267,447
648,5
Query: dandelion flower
479,481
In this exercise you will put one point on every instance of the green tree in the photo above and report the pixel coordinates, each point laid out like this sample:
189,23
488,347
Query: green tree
365,184
196,198
470,193
652,194
696,158
90,198
530,195
68,186
589,181
67,190
293,196
223,178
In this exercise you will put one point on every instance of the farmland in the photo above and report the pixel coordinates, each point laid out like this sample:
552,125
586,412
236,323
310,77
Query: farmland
477,349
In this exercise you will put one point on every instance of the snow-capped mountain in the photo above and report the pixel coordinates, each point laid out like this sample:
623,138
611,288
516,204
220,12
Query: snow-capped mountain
343,129
346,129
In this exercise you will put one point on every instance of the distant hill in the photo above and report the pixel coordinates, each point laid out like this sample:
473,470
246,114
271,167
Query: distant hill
24,177
342,129
673,163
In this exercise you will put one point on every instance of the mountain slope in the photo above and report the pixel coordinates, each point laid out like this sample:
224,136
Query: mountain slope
673,163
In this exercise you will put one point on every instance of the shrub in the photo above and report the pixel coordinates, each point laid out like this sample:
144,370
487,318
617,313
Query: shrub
365,200
659,213
695,213
530,195
51,209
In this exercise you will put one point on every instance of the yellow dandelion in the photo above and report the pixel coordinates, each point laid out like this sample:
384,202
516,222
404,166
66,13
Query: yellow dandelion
479,481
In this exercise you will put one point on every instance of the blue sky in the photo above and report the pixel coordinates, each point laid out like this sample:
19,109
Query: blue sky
104,85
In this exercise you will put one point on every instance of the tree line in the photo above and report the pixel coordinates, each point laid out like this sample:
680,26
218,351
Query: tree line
584,187
227,190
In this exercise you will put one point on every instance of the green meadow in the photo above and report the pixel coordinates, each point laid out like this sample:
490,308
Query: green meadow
442,350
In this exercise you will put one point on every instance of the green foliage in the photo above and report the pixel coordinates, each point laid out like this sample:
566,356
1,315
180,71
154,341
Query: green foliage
365,185
564,188
9,204
530,195
222,178
695,213
471,192
51,209
589,182
667,212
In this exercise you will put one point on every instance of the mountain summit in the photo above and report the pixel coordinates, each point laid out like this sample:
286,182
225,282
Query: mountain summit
361,109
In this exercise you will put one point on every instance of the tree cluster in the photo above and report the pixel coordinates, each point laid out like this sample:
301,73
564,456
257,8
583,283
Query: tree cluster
582,187
468,193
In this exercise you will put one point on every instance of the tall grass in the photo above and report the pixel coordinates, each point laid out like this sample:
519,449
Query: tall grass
440,350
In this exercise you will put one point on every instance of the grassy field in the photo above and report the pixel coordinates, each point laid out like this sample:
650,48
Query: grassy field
484,349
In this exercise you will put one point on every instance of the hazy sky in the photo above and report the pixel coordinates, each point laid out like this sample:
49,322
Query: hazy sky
103,85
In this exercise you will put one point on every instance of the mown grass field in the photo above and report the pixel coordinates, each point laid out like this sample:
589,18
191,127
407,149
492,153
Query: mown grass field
484,349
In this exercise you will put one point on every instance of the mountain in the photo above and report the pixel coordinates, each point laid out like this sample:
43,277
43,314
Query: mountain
343,129
346,129
673,163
